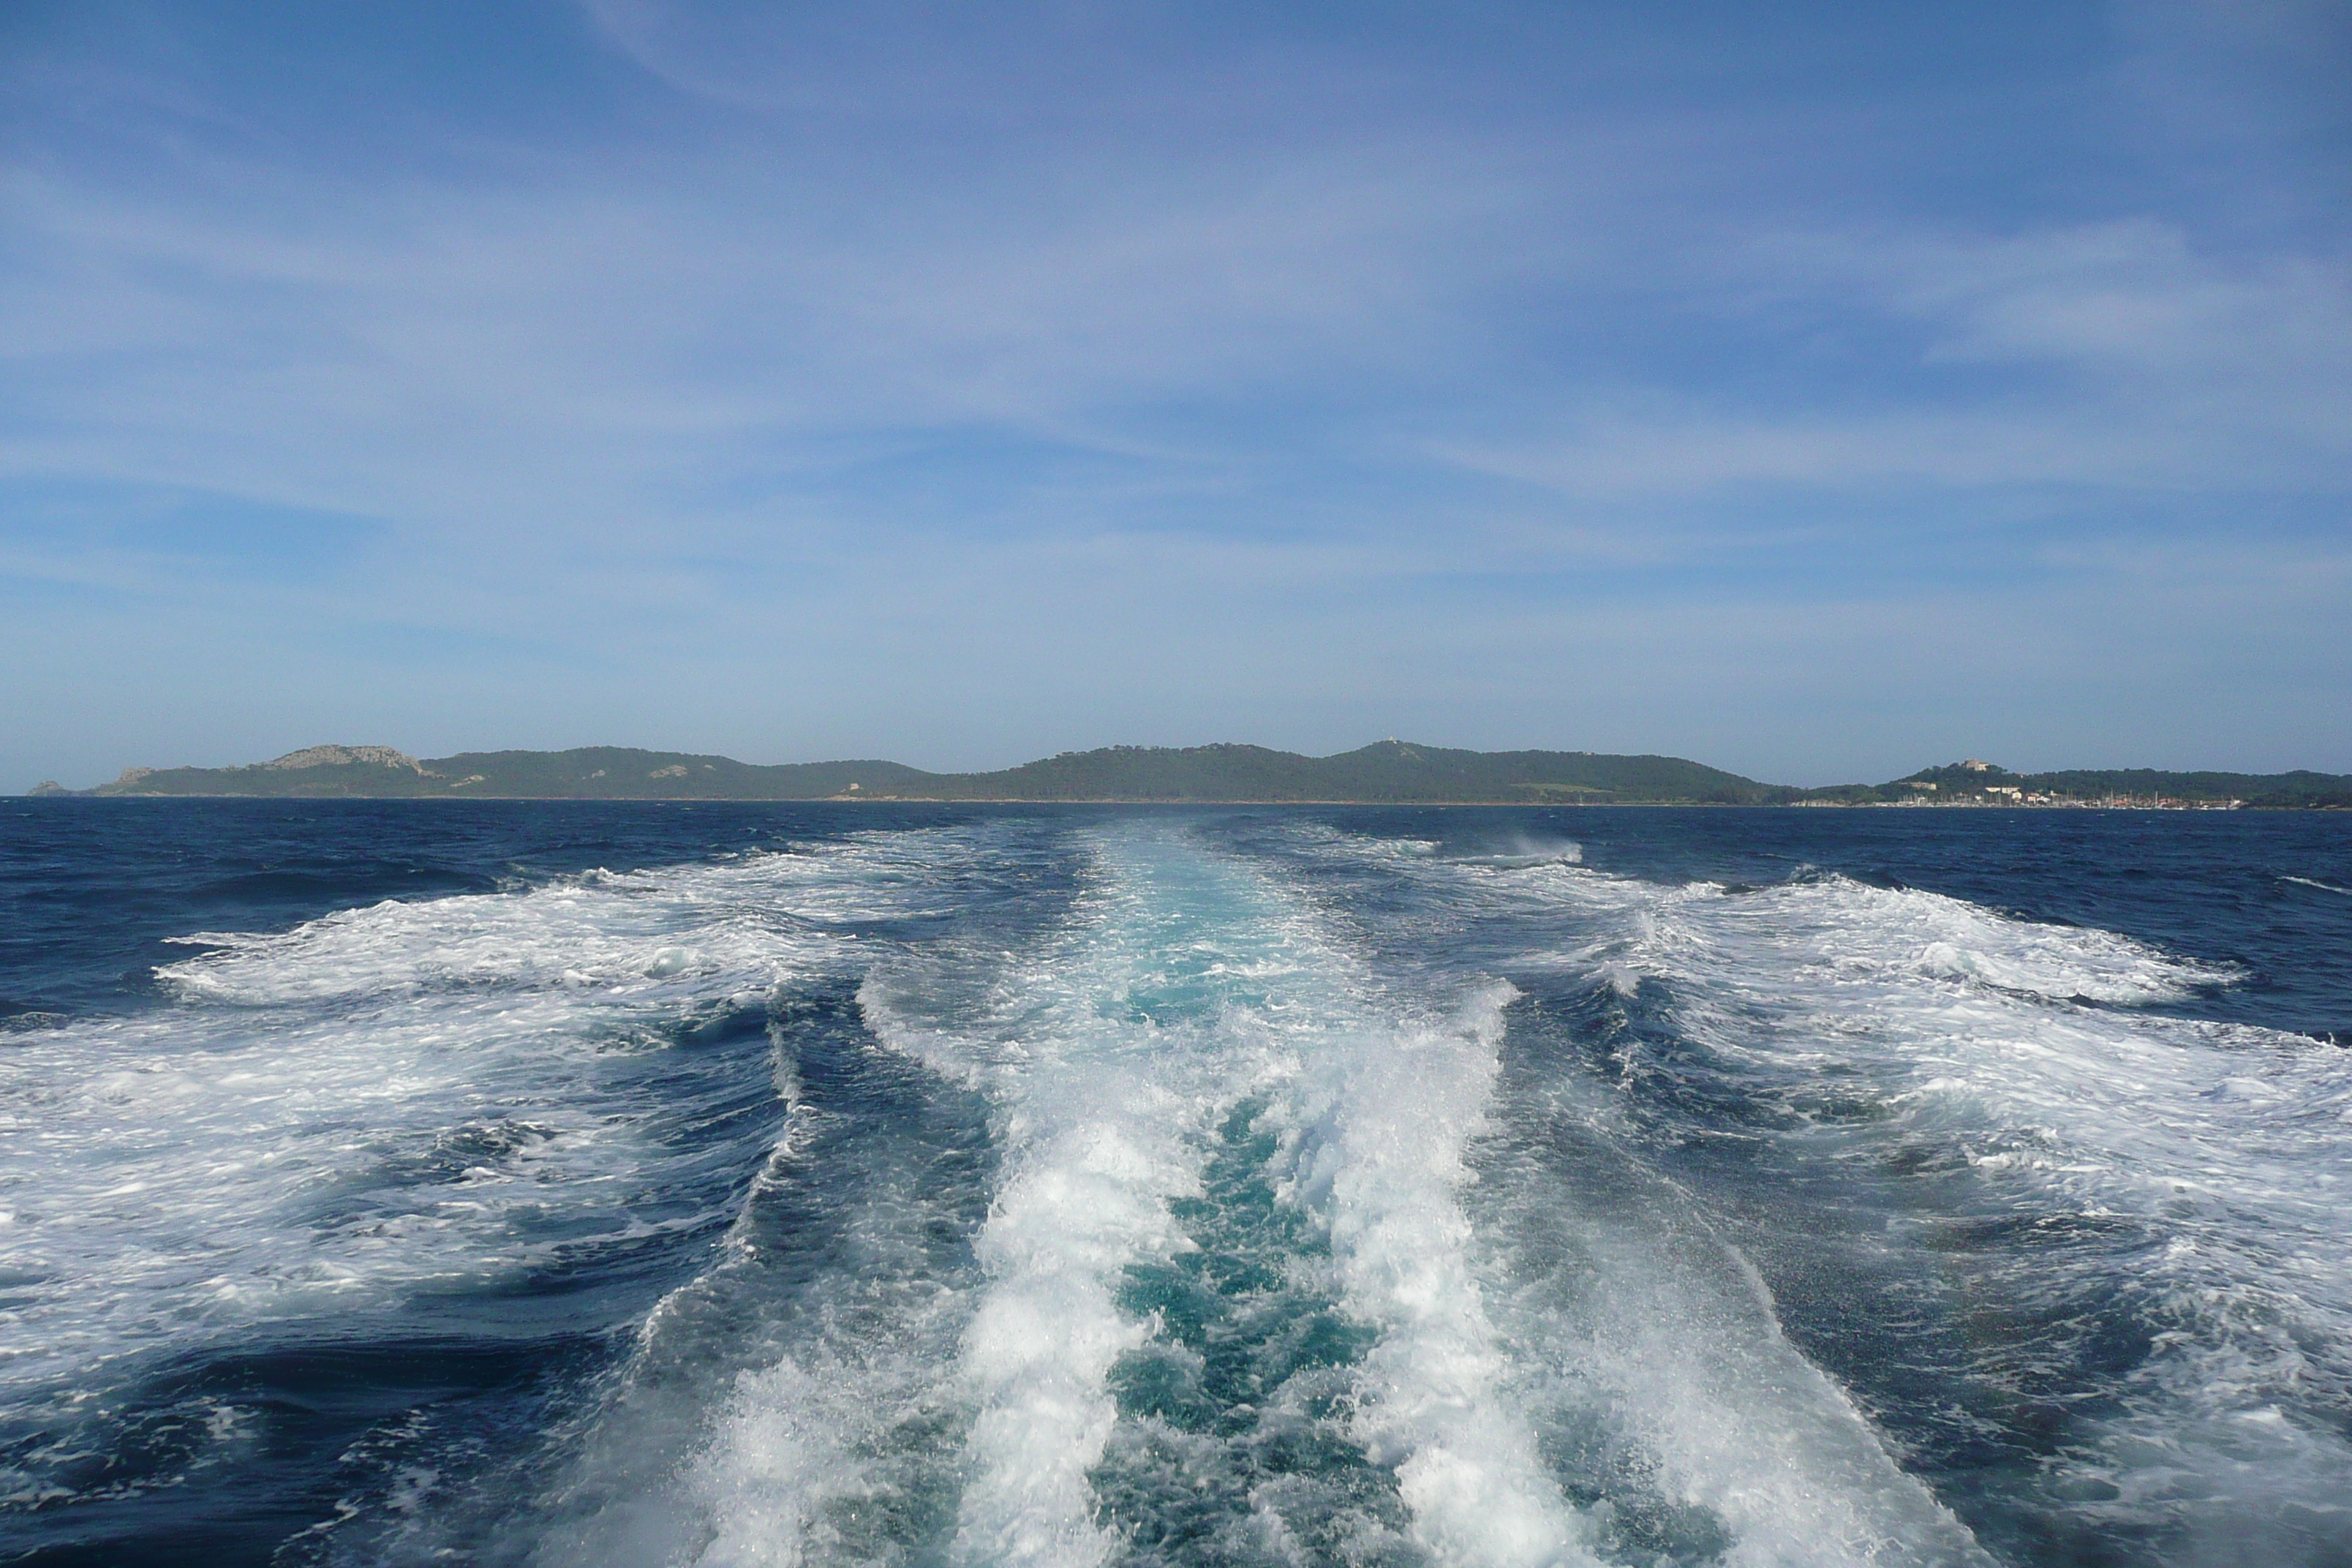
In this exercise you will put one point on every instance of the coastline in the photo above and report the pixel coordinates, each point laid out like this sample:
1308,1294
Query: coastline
2190,807
1388,773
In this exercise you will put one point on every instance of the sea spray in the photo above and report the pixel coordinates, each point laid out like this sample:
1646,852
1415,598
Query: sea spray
1104,1057
1382,1122
1979,1117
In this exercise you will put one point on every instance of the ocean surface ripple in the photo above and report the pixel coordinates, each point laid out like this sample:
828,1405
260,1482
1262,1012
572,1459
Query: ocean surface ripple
648,1183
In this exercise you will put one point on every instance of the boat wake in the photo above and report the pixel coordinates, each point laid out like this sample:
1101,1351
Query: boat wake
1128,1190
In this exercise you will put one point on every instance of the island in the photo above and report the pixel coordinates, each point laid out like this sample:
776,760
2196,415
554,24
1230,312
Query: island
1387,772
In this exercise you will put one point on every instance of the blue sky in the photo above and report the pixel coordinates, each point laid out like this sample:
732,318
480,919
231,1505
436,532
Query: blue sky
1816,390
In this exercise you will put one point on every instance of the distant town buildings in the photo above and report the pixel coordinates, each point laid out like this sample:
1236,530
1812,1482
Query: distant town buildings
2015,795
1949,791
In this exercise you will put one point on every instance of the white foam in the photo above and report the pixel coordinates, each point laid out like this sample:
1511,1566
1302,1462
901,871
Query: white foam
1105,1055
1956,938
1857,930
1188,983
393,1098
787,1450
1523,850
807,1461
1668,1330
1184,983
1665,1344
1381,1125
1954,1024
761,1426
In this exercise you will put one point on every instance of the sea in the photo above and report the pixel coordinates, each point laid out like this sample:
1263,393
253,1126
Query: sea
585,1184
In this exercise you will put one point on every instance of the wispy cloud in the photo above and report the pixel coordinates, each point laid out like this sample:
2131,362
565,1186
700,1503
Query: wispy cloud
2103,356
1139,374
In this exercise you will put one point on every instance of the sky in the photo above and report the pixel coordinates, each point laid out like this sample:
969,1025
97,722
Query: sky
1818,391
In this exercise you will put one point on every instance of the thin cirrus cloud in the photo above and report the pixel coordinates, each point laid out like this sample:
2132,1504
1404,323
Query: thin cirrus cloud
2108,355
963,385
709,317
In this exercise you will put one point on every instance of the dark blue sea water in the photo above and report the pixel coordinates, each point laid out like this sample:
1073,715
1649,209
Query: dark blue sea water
585,1184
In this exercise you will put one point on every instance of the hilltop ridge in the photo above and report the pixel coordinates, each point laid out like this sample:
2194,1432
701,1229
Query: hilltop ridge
1977,782
1388,771
1385,773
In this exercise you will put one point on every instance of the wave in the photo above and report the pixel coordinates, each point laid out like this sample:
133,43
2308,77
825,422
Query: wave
1198,1209
1622,1350
1521,852
1189,1008
1101,1060
1992,1093
403,1105
1377,1151
1205,992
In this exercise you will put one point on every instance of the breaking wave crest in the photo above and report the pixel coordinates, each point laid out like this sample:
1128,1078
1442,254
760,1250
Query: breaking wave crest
1191,1008
398,1106
1994,1105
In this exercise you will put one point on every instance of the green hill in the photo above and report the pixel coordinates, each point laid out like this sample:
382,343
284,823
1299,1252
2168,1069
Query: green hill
1986,782
1390,771
2299,788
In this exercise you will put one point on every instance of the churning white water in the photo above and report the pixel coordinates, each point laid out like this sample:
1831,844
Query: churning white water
1146,1190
